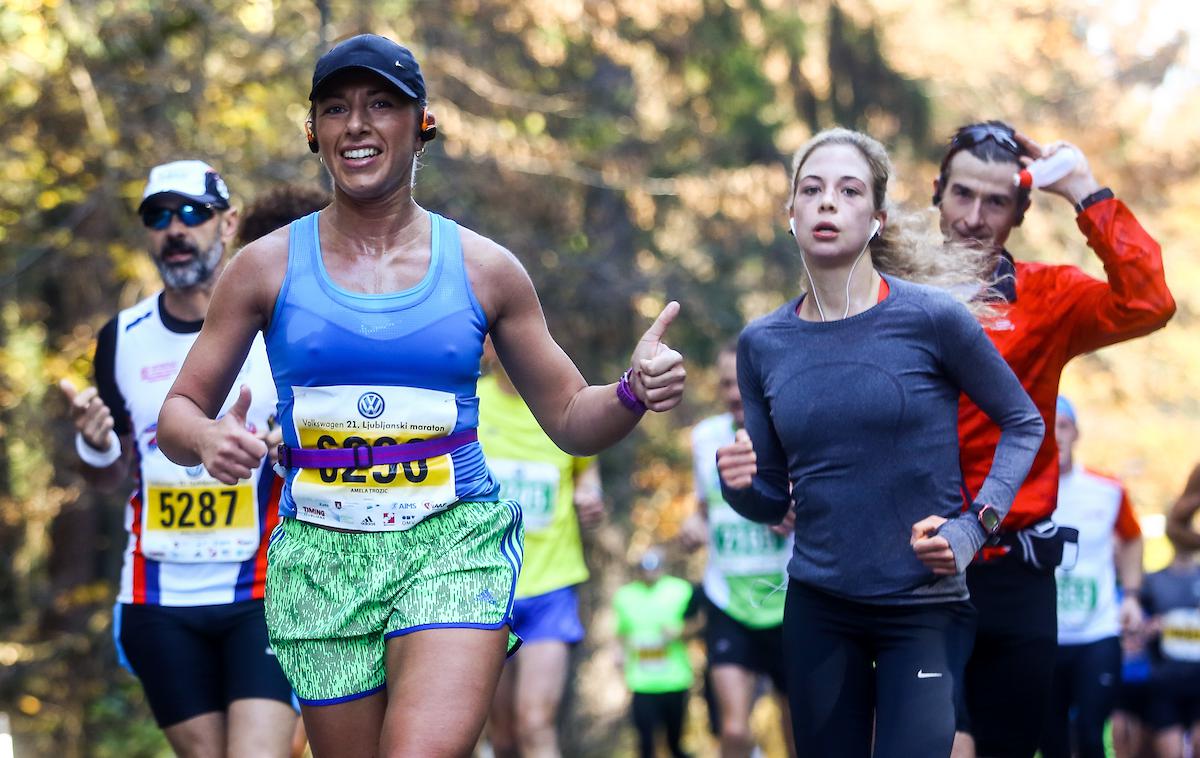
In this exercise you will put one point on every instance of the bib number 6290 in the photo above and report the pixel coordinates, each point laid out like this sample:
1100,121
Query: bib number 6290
415,472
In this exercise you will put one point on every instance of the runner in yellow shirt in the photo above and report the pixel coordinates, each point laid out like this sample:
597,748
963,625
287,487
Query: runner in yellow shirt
558,493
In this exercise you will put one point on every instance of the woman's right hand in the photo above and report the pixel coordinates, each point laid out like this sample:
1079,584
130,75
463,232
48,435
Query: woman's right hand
737,463
227,448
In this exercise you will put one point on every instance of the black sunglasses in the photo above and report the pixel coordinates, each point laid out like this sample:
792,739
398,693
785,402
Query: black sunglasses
190,214
969,136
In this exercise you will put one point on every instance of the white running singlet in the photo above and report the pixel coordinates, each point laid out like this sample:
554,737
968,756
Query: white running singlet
192,540
1099,508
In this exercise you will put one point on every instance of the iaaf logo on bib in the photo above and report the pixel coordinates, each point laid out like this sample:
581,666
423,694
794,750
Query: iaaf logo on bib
370,404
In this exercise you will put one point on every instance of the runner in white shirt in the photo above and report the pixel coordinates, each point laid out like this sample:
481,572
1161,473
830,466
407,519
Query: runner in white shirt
745,582
1090,616
189,617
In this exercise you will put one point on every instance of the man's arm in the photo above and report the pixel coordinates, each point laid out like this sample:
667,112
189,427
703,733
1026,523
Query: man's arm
693,620
589,495
1179,518
693,533
101,421
1135,300
1129,554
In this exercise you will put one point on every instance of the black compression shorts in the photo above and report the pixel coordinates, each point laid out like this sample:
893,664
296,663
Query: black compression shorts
197,660
729,641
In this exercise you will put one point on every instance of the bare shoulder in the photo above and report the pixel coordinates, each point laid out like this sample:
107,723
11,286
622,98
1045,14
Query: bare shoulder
256,272
495,274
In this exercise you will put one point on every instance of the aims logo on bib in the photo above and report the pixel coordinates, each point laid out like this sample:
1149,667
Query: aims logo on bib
370,404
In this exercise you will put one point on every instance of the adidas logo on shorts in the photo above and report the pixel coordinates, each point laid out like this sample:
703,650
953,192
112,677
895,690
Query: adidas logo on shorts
487,597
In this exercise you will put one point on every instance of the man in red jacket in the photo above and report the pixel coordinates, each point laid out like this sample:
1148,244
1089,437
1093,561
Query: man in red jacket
1053,313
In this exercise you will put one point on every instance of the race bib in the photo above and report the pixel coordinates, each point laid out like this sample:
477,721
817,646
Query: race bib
387,497
190,517
651,652
739,546
1077,598
534,485
1181,634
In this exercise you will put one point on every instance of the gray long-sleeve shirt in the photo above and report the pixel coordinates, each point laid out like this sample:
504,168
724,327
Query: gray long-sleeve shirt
860,416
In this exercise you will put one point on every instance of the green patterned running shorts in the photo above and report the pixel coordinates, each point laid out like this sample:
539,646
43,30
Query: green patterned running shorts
335,598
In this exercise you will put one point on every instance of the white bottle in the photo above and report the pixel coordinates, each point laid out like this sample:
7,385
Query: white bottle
1047,170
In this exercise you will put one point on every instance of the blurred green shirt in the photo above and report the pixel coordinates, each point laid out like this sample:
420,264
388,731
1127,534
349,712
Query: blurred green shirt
649,622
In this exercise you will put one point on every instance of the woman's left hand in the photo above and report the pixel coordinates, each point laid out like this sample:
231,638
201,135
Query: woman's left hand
658,373
932,550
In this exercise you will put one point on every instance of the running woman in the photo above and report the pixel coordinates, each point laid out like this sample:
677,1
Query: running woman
558,494
850,393
744,580
391,579
189,616
1049,315
1091,616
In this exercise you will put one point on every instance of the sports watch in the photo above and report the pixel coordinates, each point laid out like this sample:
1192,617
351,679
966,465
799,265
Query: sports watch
989,518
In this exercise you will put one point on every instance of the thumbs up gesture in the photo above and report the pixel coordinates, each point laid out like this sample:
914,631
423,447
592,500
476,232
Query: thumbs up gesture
228,449
737,463
658,374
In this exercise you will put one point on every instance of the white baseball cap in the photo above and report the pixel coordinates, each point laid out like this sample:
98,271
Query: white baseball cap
194,180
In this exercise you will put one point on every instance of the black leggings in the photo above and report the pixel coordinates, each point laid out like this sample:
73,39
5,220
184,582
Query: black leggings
652,710
855,669
1086,680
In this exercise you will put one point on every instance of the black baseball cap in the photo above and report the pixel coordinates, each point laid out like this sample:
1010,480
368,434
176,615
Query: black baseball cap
374,53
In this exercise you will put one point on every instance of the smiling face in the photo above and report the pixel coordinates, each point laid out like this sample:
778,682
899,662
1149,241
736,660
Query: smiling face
979,202
834,204
367,131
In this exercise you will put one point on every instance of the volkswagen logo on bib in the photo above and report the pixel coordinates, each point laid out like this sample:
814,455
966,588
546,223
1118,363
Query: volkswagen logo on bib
370,404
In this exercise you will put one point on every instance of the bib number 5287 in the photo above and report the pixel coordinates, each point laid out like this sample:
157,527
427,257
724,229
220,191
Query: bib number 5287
181,509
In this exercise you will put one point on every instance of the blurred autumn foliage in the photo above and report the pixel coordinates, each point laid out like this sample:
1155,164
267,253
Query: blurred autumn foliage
628,151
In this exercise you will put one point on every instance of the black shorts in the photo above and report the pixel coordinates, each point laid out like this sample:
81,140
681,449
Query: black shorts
1132,698
1172,696
729,641
197,660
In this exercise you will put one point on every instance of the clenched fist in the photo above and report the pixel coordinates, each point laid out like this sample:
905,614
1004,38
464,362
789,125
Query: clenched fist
737,463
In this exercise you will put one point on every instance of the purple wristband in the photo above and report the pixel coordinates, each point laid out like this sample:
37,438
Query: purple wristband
626,395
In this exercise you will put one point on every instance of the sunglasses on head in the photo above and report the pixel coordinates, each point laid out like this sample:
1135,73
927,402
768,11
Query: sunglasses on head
970,136
191,214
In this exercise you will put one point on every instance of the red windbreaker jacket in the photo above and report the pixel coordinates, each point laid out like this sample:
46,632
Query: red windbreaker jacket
1059,313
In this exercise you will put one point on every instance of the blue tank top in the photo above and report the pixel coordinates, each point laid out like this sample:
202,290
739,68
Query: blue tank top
360,369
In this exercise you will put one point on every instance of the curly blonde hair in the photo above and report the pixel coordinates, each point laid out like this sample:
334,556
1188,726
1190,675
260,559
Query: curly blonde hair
910,246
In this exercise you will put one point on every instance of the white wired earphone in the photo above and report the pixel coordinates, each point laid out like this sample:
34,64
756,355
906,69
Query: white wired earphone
875,227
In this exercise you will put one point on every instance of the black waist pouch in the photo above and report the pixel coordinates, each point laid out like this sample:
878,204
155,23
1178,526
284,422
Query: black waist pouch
1045,546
